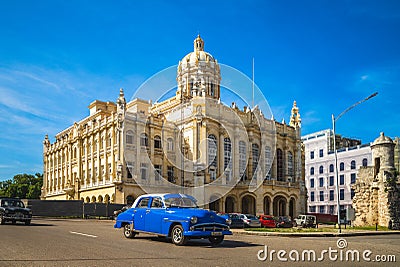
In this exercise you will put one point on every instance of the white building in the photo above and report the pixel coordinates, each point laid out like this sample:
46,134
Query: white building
320,176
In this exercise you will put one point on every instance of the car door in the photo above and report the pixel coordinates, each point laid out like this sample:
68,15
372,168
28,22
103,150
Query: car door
140,214
155,215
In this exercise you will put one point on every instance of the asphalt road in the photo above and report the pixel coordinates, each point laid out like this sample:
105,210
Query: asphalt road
97,243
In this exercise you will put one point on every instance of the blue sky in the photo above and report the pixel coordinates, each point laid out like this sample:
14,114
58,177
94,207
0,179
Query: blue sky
58,56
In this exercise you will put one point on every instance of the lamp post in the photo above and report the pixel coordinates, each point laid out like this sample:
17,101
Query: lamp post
334,148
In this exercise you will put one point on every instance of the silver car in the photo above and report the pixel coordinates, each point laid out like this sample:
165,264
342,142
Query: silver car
250,220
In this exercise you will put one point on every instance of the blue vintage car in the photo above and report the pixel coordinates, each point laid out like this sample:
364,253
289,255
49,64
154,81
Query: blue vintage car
172,215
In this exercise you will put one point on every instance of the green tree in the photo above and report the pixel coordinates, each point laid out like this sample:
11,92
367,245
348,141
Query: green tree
22,186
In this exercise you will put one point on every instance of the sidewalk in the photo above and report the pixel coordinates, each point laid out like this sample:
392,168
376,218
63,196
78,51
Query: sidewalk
315,234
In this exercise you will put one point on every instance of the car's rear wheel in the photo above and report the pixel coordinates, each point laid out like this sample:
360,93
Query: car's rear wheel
177,235
216,240
128,231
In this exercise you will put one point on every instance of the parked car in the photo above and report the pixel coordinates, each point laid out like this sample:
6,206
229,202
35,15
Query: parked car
13,209
250,220
267,221
284,222
172,215
306,220
236,221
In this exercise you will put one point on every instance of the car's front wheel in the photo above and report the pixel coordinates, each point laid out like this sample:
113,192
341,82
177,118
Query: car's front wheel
128,231
216,240
177,235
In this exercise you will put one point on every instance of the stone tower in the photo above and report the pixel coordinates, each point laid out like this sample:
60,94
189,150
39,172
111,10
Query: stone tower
377,191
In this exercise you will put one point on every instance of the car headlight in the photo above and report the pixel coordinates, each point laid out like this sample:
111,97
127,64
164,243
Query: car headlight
228,221
193,220
6,211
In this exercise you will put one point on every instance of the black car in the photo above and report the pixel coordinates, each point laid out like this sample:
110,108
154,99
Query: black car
13,209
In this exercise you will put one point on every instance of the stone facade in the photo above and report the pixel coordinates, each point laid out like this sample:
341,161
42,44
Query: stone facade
377,191
233,160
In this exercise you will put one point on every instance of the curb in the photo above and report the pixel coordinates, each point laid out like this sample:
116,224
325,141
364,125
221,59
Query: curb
319,234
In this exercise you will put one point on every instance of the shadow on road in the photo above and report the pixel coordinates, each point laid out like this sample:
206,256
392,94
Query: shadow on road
201,242
31,225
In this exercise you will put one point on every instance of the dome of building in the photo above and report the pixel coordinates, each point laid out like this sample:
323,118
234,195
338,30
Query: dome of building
198,53
382,139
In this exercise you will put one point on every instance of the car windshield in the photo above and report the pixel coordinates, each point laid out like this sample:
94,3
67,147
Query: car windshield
13,203
251,217
182,202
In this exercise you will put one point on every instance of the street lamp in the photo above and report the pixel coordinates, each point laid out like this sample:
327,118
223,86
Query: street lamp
334,148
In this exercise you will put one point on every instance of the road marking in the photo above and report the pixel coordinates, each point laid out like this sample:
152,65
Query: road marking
76,233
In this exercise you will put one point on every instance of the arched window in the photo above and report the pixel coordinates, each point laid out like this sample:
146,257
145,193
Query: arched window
365,162
228,158
268,162
144,141
321,169
212,151
170,144
157,142
242,160
353,165
129,137
255,155
312,171
280,165
341,166
331,168
290,163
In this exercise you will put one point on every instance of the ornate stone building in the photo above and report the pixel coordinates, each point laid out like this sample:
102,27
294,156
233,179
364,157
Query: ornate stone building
377,190
231,159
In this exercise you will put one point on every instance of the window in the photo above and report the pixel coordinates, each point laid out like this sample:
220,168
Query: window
170,144
290,163
331,195
321,209
312,155
331,180
353,165
170,174
279,158
213,175
312,171
321,153
129,168
341,166
157,172
312,196
341,193
331,168
312,208
212,150
321,169
268,162
157,142
321,195
144,141
353,193
353,178
156,203
341,179
331,209
312,183
143,170
228,158
255,156
321,182
365,162
143,203
242,159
